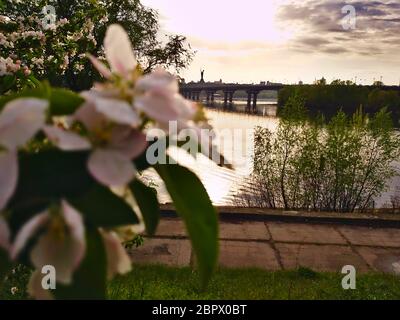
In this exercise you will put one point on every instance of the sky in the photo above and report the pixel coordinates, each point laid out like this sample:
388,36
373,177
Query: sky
287,41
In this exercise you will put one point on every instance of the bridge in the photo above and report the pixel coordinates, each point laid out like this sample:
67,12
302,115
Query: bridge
192,91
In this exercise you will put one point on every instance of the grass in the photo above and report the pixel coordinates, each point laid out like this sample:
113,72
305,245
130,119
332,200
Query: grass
163,283
158,282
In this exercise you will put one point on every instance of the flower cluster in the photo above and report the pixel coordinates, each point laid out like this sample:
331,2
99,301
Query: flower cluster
64,42
110,124
8,67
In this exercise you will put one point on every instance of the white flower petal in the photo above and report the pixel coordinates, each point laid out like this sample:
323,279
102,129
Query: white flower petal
88,115
104,71
158,79
58,251
111,168
8,176
74,221
35,288
118,111
118,50
63,251
186,109
132,143
4,235
20,120
66,140
27,231
158,105
118,261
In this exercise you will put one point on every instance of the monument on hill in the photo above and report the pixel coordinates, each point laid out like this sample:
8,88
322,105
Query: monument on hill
202,76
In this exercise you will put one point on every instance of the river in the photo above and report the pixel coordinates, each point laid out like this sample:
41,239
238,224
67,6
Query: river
221,183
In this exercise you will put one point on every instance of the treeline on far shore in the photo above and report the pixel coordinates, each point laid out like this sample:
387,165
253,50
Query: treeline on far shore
327,100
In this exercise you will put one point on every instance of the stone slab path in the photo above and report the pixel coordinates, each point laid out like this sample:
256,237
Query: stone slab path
280,246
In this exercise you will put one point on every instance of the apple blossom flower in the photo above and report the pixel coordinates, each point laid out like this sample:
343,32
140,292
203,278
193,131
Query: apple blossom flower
118,261
4,19
158,97
27,72
119,54
20,120
155,95
112,134
35,288
63,21
60,244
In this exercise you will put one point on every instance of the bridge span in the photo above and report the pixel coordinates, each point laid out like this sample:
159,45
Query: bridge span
192,91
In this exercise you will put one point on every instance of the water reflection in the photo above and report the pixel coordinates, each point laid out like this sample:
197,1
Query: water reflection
223,184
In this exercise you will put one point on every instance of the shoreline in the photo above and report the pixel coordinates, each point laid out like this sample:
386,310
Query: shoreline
378,218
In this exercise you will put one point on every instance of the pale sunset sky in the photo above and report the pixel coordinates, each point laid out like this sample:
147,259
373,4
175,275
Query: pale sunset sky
286,40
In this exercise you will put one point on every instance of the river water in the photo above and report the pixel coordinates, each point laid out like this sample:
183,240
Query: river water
222,184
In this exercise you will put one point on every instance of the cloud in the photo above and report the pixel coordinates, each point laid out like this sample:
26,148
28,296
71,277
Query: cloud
286,40
377,23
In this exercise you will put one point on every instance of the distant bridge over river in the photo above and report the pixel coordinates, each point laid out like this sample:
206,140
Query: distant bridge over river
193,91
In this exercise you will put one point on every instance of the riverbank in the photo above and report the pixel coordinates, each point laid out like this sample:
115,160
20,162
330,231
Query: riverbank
373,218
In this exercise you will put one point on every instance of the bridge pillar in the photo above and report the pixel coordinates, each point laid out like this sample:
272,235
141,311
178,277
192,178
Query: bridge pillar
255,96
231,97
226,93
210,97
248,107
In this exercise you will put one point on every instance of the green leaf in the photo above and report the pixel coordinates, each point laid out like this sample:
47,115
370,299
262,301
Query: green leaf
103,208
41,92
46,177
193,204
64,102
89,281
35,81
147,201
53,173
7,83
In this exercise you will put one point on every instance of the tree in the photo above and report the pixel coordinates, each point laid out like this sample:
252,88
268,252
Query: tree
321,82
88,20
341,166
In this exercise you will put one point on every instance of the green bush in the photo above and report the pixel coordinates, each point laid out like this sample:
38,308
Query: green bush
341,166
